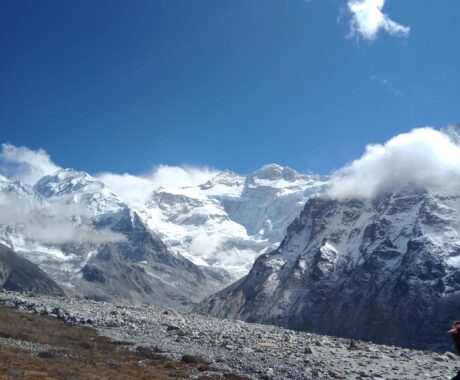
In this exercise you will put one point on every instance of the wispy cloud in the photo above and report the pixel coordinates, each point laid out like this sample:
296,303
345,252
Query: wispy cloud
368,20
388,84
24,164
49,222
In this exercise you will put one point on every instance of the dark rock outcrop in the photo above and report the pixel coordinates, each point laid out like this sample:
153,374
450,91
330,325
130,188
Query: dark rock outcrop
19,274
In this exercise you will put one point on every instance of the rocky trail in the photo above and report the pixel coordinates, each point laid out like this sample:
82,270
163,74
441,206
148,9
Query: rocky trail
251,350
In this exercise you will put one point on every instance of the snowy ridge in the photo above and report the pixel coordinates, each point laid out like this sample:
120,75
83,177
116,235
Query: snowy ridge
230,220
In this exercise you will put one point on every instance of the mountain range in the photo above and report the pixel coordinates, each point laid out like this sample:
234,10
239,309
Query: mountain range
275,246
185,244
231,219
92,244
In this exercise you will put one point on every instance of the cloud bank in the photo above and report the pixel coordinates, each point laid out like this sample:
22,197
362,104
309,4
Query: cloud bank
28,166
368,20
135,190
24,164
423,157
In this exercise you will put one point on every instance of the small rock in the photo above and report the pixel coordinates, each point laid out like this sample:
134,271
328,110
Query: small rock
266,346
111,323
353,345
336,375
451,355
170,327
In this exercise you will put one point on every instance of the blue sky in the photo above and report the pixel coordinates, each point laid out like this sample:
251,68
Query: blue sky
122,86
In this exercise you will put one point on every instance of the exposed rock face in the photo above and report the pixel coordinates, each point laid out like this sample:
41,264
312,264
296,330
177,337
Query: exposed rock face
142,269
385,270
19,274
93,245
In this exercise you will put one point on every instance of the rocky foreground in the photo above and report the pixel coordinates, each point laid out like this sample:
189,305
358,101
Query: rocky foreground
256,351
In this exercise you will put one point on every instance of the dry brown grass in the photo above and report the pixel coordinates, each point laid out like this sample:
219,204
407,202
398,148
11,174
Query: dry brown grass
78,353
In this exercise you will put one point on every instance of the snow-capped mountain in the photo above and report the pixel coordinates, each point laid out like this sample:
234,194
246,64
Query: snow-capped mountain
92,244
70,187
386,270
230,220
384,267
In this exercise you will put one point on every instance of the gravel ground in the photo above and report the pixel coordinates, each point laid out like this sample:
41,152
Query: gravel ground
256,351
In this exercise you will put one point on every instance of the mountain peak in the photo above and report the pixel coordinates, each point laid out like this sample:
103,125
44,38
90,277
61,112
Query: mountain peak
71,174
226,178
66,181
274,172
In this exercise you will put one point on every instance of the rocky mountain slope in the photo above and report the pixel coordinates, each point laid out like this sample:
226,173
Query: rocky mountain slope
92,244
249,350
231,219
384,269
19,274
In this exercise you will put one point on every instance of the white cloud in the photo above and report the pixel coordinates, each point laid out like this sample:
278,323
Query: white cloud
28,166
204,244
135,190
24,164
368,19
59,233
50,223
423,157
